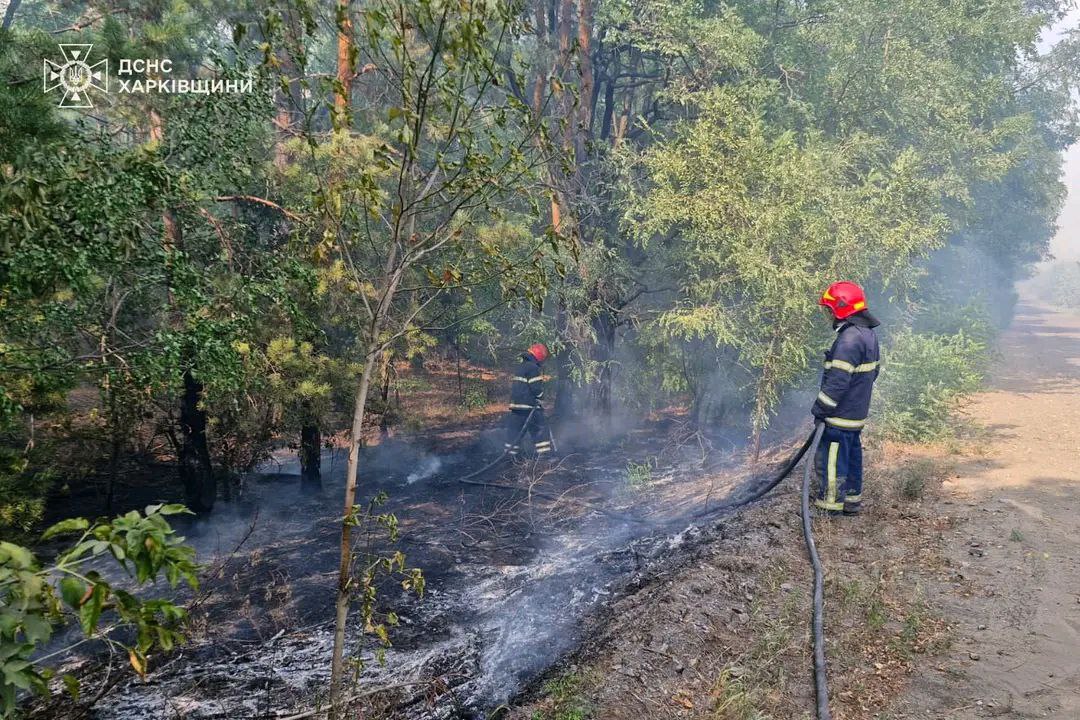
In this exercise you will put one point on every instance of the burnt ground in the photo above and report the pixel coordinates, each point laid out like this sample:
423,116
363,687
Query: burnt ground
511,575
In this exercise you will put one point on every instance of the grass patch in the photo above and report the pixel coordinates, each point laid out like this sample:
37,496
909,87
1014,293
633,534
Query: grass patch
912,479
564,700
639,475
736,699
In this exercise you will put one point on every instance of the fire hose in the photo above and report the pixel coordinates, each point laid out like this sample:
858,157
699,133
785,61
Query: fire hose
821,689
524,426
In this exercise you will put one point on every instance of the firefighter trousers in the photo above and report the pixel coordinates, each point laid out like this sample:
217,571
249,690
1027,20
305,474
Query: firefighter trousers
537,429
839,466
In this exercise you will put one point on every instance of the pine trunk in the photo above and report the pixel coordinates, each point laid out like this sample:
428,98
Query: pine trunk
196,473
310,457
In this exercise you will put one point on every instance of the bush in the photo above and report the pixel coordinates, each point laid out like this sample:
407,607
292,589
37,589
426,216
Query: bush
1062,284
922,377
973,320
37,599
22,492
912,479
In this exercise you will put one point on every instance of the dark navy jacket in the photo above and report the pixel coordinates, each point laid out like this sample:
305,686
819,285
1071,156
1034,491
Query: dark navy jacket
851,367
528,385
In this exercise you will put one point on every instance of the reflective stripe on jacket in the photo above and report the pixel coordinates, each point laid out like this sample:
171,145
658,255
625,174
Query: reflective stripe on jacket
851,367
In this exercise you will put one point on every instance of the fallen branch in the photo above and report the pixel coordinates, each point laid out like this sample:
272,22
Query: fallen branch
260,201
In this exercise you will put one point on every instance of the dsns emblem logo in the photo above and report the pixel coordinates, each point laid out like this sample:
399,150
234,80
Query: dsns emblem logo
76,76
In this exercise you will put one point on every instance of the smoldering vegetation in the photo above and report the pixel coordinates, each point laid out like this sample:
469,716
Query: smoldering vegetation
511,575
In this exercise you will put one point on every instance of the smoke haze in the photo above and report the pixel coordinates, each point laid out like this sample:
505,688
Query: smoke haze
1066,244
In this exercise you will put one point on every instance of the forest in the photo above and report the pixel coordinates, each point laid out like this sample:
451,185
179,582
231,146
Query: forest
292,228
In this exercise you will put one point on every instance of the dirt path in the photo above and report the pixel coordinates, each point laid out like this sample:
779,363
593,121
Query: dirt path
1014,595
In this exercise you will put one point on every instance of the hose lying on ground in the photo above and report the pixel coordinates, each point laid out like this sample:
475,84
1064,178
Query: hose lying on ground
821,689
759,492
525,426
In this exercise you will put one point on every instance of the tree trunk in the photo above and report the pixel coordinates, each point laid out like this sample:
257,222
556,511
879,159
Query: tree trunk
565,400
384,373
460,383
310,457
566,12
343,92
9,14
585,86
604,354
540,27
341,608
114,454
196,473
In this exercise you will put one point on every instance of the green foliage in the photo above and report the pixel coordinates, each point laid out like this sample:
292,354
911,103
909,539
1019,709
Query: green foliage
36,599
475,397
639,475
373,566
22,491
750,268
973,321
1060,284
922,377
564,700
25,112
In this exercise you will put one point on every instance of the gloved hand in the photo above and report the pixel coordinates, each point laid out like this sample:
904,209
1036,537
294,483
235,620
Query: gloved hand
818,412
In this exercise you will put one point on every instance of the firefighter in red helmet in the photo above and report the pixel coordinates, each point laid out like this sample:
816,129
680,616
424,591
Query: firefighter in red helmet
525,393
843,403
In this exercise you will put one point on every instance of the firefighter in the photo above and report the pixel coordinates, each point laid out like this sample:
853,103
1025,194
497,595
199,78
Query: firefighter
851,367
525,393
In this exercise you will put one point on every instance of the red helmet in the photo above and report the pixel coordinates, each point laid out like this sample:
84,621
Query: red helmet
539,351
844,299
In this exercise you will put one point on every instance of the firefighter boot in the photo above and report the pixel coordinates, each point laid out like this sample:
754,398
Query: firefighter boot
852,504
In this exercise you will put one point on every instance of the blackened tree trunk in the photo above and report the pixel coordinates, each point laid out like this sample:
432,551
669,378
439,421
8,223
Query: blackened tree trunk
310,457
114,454
196,472
385,419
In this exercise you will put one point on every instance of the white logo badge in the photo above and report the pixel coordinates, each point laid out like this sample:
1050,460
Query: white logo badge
76,76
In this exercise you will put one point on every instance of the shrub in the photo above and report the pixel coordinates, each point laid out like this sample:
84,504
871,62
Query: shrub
22,492
973,320
912,479
639,475
36,599
1063,284
922,377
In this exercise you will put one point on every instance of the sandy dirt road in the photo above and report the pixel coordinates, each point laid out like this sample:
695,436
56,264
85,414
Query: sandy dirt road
1013,597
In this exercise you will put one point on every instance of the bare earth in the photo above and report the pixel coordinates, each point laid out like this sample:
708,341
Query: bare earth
1014,601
